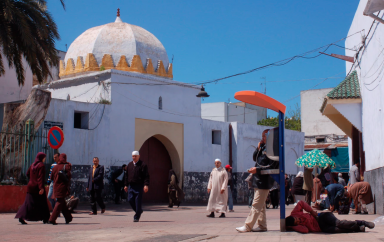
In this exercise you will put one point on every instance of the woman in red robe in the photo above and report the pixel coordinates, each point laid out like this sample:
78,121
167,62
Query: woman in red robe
35,207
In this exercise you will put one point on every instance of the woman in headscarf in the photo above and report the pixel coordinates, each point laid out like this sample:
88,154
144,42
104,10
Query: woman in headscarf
174,192
61,175
35,207
297,187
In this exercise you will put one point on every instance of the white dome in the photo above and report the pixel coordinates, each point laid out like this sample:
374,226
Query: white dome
118,39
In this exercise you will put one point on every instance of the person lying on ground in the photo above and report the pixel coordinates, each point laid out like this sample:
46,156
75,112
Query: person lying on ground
323,222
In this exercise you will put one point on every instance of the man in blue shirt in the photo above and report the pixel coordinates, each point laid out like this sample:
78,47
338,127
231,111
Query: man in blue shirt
335,191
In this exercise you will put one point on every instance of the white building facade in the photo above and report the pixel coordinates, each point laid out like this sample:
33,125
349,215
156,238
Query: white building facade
359,111
113,103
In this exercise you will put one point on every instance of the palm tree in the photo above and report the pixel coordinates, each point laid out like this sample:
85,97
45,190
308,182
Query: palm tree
27,30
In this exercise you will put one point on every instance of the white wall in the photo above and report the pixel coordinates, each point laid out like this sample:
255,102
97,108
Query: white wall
370,73
247,138
113,140
10,91
230,112
214,111
312,121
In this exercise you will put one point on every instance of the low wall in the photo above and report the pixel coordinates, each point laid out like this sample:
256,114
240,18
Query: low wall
12,197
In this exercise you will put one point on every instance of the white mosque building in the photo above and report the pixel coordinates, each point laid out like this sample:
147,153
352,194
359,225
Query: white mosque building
117,94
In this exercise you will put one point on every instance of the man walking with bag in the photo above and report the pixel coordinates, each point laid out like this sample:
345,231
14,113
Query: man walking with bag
96,185
137,179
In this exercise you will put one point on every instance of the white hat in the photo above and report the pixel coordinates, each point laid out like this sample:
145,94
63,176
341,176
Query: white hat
217,159
340,174
135,153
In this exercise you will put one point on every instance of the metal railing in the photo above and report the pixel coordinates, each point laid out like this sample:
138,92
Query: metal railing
18,149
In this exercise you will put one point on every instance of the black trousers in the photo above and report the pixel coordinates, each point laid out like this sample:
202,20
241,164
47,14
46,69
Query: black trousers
308,197
118,190
330,224
96,198
275,198
135,197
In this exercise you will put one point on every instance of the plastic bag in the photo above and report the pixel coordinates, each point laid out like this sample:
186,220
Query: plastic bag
379,220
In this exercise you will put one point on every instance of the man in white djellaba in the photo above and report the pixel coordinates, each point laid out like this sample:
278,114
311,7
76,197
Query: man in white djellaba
218,189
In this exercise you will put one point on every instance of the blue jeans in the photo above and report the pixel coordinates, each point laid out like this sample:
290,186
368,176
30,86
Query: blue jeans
230,198
50,192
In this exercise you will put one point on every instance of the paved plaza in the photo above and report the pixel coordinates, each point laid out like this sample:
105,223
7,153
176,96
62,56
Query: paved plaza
160,223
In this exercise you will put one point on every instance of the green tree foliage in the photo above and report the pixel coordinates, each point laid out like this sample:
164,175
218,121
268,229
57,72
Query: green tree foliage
27,31
292,121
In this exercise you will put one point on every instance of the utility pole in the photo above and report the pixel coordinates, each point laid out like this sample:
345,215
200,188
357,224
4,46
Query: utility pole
265,85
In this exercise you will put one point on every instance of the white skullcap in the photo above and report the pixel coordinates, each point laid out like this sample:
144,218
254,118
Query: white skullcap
217,159
340,174
135,153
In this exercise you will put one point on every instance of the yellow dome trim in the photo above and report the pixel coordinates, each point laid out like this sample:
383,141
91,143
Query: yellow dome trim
91,65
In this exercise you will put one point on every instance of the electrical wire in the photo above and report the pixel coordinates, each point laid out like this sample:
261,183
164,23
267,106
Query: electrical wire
99,120
312,88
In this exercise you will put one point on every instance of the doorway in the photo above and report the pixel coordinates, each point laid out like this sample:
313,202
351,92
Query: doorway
155,155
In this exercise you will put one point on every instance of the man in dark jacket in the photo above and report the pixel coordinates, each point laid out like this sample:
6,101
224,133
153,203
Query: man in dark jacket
262,184
230,188
137,179
61,176
118,182
96,185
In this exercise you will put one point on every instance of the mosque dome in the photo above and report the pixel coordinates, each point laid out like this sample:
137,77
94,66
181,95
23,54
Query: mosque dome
117,45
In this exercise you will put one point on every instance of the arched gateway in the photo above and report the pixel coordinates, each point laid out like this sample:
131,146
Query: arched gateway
161,146
155,155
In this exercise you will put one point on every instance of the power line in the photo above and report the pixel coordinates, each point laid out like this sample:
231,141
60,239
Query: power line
282,62
292,98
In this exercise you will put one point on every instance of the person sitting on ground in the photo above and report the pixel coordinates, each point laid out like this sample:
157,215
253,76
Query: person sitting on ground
361,194
335,191
323,222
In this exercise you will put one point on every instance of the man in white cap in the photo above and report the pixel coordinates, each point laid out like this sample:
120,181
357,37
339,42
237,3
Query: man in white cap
341,180
137,179
217,187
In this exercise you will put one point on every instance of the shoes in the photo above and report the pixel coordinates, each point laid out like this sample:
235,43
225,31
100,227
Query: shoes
231,211
362,228
258,229
22,221
222,215
369,224
53,223
135,220
92,213
211,215
242,229
44,221
170,206
103,210
68,221
178,205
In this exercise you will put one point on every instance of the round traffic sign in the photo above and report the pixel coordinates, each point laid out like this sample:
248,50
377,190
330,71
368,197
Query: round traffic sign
55,137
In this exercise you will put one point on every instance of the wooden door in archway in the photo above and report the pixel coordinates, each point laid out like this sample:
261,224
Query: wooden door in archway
155,155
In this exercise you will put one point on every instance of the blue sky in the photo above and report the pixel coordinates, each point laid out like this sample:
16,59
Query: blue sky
213,39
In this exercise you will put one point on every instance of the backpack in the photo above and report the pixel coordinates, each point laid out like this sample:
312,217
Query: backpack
62,176
344,206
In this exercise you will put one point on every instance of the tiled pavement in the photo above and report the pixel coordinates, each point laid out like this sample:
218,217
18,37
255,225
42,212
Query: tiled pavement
159,223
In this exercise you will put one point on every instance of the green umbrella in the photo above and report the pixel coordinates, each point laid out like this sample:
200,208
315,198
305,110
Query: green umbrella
315,158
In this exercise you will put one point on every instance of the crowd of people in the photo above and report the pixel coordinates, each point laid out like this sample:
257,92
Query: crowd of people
131,181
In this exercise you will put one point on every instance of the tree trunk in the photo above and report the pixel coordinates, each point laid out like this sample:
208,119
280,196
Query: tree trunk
15,117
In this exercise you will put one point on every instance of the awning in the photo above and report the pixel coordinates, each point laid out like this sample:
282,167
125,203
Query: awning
341,157
342,105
